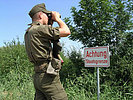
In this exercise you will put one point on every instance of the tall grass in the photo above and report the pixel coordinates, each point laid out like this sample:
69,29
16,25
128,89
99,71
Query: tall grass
15,73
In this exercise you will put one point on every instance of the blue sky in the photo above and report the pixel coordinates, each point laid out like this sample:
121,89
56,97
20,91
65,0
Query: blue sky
14,17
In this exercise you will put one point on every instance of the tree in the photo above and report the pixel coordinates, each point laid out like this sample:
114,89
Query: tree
101,22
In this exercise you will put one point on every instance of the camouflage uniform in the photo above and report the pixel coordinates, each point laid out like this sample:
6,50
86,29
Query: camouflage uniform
38,39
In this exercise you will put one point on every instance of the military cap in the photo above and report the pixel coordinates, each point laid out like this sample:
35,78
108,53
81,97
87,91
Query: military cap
38,8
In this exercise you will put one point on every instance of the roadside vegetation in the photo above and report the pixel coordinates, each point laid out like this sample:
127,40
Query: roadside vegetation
80,83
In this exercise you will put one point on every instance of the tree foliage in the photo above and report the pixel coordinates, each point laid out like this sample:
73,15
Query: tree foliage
101,22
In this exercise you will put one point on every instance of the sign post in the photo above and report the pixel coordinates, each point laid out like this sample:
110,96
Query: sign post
98,85
97,57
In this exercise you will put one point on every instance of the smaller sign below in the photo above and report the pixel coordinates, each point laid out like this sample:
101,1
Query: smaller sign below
97,57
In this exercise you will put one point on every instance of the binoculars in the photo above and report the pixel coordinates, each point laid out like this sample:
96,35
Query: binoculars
50,21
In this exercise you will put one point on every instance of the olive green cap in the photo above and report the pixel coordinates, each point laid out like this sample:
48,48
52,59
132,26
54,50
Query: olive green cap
38,8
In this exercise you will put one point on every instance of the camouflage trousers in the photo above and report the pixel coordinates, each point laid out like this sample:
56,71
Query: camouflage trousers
48,87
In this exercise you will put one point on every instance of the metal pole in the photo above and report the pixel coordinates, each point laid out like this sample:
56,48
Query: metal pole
98,85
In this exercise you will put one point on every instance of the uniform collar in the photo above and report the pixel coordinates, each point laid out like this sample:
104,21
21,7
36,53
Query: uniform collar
35,23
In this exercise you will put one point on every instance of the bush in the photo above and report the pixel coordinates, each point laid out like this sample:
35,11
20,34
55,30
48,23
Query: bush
115,81
15,72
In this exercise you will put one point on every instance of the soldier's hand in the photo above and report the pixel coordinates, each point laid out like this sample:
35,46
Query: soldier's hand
55,15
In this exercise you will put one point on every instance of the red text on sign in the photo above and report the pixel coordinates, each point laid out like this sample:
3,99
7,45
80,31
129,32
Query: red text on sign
97,54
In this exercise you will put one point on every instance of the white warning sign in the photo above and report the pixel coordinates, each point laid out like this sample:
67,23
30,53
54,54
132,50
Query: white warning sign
97,57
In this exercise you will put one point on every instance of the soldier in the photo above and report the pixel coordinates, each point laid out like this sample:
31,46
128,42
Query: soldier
38,39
